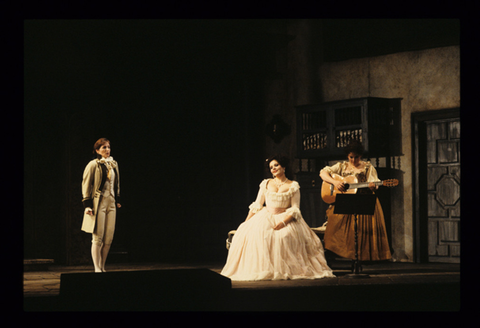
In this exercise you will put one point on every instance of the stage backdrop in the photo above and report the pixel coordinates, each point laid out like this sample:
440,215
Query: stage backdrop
181,103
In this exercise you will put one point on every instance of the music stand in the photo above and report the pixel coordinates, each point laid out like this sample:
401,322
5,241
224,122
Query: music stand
355,204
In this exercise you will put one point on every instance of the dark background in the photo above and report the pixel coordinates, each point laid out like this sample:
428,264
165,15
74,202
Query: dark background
182,103
179,102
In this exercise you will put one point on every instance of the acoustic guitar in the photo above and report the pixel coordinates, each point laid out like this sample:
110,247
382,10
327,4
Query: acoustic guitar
329,191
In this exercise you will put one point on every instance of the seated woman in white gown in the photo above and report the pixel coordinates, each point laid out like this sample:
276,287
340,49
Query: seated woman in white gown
275,242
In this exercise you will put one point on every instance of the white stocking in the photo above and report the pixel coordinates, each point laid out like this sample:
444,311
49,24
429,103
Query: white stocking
105,250
97,257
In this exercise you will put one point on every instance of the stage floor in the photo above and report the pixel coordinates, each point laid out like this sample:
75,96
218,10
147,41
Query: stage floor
386,276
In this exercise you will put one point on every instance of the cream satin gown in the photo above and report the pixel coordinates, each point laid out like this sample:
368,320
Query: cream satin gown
258,252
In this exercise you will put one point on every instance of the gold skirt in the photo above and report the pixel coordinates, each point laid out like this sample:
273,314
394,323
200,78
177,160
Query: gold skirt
372,235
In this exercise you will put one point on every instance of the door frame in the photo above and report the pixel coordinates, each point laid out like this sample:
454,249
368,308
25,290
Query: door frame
419,177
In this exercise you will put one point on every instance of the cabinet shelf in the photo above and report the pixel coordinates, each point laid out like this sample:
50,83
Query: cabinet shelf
324,130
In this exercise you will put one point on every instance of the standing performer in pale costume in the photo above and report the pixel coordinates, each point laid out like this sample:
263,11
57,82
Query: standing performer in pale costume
340,231
101,194
275,242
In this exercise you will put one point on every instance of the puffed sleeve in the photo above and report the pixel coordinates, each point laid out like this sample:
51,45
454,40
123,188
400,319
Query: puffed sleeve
294,209
332,169
372,173
257,205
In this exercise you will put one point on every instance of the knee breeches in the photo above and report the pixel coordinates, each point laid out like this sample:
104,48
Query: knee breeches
105,225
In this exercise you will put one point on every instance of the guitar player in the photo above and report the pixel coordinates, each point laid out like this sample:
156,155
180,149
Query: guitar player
340,234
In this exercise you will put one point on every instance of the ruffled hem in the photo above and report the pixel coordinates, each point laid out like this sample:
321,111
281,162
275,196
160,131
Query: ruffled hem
267,275
280,196
294,212
294,187
255,207
340,167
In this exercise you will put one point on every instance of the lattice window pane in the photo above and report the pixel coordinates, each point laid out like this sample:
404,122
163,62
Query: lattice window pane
312,141
348,116
343,137
314,120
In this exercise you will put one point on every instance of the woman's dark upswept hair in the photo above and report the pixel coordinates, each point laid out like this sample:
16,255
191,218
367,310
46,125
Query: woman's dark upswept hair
354,146
100,142
284,161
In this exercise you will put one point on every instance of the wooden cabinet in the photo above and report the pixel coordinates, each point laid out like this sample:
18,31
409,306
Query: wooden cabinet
323,130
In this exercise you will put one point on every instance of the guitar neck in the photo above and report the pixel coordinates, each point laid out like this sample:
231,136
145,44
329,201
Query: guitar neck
364,184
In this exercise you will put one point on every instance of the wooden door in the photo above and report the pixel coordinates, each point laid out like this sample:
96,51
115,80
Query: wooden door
443,190
436,185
